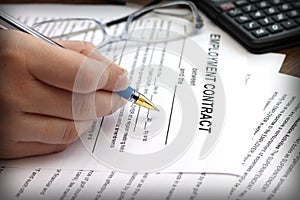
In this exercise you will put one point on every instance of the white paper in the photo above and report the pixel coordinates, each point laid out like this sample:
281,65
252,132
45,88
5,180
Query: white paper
169,74
88,184
81,178
271,165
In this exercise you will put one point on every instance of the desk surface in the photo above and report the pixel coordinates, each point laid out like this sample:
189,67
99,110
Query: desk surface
291,65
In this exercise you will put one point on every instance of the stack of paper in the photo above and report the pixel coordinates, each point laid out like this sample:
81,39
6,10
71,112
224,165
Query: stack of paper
228,125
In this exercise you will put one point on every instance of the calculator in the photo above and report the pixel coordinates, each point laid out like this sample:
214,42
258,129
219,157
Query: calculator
259,25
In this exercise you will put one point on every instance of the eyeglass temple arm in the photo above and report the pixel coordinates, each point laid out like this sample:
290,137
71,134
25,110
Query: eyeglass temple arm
123,19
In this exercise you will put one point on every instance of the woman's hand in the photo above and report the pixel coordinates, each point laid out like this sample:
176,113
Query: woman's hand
38,82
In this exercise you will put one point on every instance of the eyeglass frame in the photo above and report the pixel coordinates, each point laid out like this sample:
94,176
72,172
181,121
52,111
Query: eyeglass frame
125,35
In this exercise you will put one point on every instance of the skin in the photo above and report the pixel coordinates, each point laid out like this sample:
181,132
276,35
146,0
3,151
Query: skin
38,82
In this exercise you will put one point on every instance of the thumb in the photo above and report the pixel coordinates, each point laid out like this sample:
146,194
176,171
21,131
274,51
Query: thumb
62,68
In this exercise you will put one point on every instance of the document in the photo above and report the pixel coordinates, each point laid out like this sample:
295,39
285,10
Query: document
271,163
191,82
41,183
256,143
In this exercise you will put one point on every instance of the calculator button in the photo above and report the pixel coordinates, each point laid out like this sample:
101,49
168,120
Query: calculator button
241,3
260,32
242,19
263,4
251,25
271,11
234,12
276,2
249,8
227,6
257,15
289,24
265,21
285,7
297,20
275,28
279,17
293,13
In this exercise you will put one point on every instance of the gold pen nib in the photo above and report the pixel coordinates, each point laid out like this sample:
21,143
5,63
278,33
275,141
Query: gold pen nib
143,101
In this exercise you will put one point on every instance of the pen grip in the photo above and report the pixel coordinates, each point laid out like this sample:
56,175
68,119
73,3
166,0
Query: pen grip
127,93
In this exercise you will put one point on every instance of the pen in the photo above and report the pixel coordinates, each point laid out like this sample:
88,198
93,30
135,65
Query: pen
130,94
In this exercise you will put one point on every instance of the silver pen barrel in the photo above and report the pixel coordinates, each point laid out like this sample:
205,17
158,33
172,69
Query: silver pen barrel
9,22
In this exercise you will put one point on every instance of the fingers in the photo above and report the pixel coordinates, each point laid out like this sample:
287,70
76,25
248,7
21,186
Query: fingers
68,69
46,100
93,75
46,129
90,50
45,88
25,149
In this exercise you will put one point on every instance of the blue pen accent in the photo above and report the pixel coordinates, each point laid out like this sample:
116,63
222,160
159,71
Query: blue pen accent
127,93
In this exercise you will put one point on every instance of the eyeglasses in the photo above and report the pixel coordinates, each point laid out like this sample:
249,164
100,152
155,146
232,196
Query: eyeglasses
157,23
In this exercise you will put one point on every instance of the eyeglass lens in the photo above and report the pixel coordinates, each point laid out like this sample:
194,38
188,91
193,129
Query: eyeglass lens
163,23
